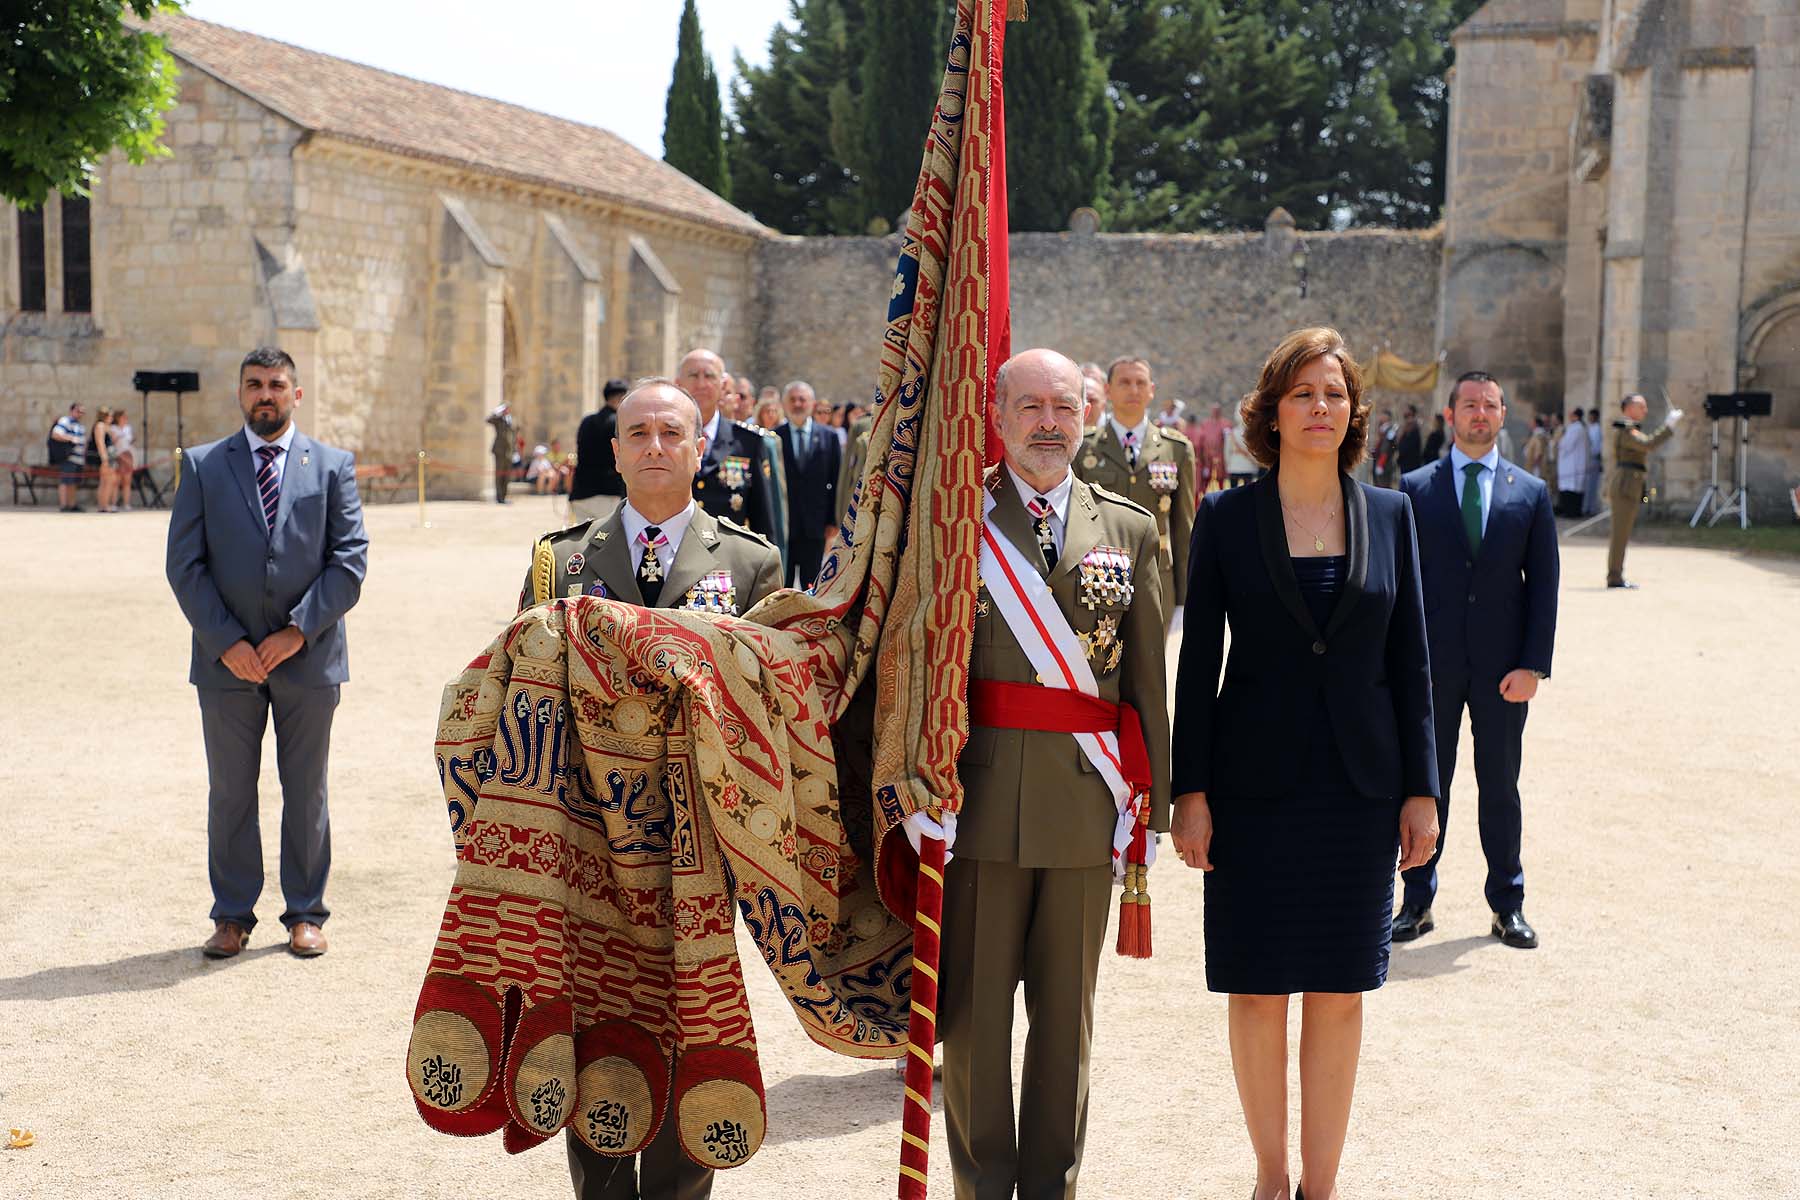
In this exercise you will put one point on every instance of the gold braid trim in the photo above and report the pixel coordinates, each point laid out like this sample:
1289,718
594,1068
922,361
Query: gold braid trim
543,569
1016,10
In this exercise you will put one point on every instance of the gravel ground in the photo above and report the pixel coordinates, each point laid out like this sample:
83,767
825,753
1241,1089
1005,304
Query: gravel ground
1650,1048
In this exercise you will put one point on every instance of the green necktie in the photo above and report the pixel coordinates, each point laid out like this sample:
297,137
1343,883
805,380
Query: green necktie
1471,505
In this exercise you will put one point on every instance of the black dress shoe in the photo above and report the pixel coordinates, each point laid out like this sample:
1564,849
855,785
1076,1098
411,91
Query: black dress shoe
1412,922
1514,930
1624,583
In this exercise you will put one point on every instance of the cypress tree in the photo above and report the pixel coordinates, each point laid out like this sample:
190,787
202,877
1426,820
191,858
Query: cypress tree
904,45
796,126
693,121
1059,122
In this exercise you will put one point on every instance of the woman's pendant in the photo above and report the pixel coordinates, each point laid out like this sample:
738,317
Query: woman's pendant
1318,543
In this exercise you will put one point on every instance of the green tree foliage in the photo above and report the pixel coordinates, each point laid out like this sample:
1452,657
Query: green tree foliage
797,123
1059,123
904,44
693,122
1334,110
76,83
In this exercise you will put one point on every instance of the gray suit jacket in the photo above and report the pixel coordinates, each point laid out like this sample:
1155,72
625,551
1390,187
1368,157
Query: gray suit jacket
236,579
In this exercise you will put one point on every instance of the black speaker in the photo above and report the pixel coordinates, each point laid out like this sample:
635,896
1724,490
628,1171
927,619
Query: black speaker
166,381
1739,404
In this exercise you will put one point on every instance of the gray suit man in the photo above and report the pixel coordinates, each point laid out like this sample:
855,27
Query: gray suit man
266,554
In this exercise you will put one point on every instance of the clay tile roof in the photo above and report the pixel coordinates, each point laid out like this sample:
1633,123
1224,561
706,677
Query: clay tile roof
406,116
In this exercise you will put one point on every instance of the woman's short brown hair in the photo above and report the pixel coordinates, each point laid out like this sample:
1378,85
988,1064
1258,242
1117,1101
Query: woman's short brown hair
1256,414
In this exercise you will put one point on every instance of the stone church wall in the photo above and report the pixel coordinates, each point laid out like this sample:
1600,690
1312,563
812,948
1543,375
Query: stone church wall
1205,310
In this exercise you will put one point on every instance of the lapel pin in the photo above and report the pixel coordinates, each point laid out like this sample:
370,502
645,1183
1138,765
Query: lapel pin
1509,477
304,460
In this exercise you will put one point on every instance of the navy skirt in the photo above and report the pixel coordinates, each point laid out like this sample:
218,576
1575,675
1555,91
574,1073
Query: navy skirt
1301,894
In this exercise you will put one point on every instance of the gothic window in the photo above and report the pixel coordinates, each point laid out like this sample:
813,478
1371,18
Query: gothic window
77,257
31,259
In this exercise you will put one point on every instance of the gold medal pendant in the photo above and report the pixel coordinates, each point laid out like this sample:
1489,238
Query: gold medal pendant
1318,543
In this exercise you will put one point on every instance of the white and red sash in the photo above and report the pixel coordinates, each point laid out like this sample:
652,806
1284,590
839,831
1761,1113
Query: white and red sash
1025,603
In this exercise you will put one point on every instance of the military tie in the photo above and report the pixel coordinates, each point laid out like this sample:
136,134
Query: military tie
1131,448
650,573
1471,505
268,483
1046,536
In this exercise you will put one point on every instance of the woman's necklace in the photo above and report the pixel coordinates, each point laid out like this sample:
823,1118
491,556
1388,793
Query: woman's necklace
1318,541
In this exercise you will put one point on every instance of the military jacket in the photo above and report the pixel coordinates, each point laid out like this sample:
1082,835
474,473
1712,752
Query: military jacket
850,469
719,566
1162,482
1032,797
1631,457
735,480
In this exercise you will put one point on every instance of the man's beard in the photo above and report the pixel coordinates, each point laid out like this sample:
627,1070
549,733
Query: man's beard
1042,457
264,426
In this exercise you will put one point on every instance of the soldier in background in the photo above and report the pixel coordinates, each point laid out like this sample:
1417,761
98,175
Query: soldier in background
735,480
1627,490
1148,465
504,431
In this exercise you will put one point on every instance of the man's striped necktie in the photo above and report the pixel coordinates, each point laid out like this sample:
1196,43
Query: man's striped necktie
268,483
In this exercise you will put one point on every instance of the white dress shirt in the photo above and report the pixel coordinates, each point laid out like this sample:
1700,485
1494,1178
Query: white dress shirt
1141,433
673,530
1058,497
284,443
1490,463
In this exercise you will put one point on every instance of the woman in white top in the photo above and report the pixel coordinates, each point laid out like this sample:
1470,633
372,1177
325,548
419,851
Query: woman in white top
124,460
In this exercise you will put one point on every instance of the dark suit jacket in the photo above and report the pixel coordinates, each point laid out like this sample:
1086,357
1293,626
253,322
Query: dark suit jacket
596,470
758,510
1496,612
812,489
1370,660
236,579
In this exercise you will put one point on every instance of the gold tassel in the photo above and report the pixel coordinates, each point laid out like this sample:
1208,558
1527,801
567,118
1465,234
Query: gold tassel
543,567
1017,10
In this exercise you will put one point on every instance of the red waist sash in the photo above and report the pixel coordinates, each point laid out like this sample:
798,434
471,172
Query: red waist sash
1058,710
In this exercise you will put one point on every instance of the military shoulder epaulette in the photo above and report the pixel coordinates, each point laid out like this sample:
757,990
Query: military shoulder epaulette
1174,435
558,534
750,535
750,427
1101,493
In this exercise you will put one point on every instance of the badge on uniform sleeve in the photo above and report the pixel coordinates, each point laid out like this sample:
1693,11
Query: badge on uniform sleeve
714,594
577,561
1165,477
1105,574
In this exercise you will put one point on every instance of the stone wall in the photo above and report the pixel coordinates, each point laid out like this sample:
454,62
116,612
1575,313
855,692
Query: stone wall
413,295
177,283
1205,310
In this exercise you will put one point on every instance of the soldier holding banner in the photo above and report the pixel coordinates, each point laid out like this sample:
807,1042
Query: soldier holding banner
1065,775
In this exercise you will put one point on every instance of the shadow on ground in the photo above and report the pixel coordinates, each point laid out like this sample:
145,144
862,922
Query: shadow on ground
805,1108
139,973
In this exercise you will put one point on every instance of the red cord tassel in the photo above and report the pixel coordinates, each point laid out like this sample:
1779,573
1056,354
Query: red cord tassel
1134,902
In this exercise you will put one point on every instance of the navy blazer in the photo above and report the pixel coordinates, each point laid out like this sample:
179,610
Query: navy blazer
812,493
1495,612
1370,661
236,579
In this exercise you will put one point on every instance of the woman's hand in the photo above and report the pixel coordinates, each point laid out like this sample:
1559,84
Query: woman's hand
1191,829
1418,831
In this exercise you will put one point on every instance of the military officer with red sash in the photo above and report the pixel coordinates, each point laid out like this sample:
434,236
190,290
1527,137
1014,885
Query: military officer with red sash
1065,782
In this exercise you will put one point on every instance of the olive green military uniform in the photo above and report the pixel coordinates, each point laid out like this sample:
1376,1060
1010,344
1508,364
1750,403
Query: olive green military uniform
595,559
1161,481
1029,892
1628,488
850,470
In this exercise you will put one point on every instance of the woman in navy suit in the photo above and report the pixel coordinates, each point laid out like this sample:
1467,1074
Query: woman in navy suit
1303,775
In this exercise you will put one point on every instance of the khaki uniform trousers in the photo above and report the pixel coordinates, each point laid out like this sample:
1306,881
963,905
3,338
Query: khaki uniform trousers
1625,494
660,1171
1004,925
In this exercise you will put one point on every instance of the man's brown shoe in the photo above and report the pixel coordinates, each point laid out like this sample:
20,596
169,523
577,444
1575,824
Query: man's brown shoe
228,938
306,940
